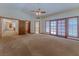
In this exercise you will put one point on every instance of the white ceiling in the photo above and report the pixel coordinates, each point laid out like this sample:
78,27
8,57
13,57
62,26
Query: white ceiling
48,7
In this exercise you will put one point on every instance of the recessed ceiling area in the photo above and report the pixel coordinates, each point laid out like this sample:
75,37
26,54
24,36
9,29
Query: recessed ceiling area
48,7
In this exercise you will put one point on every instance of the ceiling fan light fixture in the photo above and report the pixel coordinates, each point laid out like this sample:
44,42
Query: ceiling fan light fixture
39,12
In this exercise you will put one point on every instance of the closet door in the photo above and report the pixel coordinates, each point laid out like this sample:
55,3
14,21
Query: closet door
27,26
22,27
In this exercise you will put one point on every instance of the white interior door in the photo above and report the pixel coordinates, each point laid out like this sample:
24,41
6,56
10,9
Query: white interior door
37,27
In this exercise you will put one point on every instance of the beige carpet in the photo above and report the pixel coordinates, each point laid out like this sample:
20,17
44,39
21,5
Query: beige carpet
38,45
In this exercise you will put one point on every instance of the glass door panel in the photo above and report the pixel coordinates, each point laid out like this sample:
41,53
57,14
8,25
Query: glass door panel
61,27
53,27
72,27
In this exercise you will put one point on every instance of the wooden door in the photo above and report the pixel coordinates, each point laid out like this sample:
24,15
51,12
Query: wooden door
21,27
27,26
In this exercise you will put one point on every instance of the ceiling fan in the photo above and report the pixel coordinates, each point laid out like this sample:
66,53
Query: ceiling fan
39,12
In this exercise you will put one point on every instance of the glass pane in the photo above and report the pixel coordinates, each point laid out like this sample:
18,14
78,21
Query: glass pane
61,27
53,27
72,27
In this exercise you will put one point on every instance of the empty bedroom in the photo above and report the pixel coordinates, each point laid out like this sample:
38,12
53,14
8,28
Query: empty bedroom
39,29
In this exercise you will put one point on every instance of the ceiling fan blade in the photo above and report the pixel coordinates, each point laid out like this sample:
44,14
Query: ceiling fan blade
43,12
35,11
39,11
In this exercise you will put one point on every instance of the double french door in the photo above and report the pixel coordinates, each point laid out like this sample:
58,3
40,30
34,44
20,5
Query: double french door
67,27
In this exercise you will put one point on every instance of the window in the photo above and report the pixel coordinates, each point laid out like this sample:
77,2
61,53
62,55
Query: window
53,27
72,27
47,26
61,27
